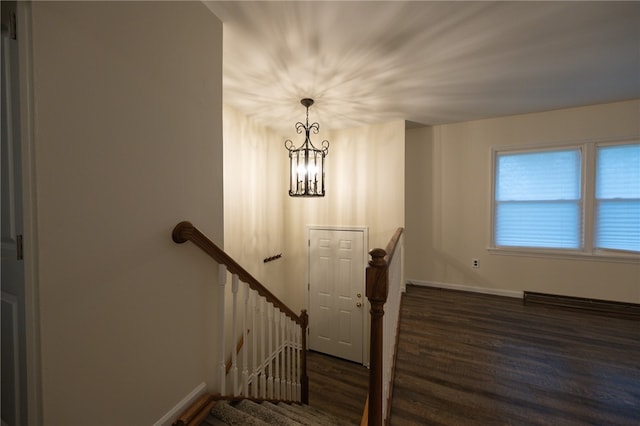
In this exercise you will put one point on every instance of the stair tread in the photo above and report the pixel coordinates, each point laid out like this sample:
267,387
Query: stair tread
232,416
265,413
213,421
318,417
251,413
288,413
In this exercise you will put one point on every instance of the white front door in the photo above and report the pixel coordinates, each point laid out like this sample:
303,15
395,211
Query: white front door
336,292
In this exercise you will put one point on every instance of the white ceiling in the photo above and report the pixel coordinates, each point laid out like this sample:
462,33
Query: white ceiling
425,62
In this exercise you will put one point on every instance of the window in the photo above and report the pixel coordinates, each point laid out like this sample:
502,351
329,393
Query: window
617,206
560,199
538,200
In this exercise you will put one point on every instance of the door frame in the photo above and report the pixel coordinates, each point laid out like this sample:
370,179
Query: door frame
29,213
366,318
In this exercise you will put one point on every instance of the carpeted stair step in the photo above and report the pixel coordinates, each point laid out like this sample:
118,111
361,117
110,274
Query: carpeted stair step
250,413
223,411
282,409
315,416
265,413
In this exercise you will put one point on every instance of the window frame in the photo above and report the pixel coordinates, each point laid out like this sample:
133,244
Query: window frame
588,153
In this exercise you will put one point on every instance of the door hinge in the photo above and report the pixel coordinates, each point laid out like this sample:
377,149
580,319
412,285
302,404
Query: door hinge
19,247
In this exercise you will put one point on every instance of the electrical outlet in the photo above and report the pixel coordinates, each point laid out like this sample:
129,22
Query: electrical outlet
475,263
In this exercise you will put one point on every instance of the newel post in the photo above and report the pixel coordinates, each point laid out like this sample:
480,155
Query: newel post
377,290
304,379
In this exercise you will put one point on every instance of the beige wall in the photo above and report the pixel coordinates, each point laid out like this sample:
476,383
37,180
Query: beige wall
255,179
261,219
365,187
448,206
128,142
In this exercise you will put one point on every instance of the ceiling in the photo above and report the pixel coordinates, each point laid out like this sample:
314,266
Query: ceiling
424,62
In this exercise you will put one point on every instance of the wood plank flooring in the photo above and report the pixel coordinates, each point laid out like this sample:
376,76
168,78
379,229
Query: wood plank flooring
466,359
337,386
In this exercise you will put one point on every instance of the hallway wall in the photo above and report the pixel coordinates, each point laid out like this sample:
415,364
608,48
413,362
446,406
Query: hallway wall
365,187
128,142
449,205
255,179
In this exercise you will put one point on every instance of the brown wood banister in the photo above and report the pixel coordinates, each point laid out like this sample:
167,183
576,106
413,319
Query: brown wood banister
377,290
392,244
185,231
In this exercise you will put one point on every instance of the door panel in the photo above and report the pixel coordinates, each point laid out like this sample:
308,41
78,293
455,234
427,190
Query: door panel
336,284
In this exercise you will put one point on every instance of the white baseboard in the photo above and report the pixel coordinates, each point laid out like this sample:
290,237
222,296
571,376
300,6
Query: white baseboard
495,291
170,417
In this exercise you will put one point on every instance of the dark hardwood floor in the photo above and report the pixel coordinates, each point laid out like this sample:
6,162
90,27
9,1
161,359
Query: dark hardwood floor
466,358
337,386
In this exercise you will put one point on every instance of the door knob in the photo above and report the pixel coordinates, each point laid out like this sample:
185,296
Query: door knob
359,295
358,304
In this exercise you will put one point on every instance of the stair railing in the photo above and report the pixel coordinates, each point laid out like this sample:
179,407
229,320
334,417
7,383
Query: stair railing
385,283
273,363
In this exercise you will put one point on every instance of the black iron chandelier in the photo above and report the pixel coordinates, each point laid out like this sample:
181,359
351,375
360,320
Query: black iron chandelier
306,178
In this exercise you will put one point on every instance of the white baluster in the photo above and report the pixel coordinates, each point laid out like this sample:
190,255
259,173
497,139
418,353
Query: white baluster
254,341
222,369
263,377
245,343
283,382
234,326
270,351
289,359
277,358
292,324
298,345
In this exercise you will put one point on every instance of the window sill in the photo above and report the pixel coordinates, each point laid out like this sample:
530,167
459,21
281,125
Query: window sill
599,256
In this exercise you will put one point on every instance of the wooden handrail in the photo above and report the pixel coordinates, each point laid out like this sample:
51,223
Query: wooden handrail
392,244
377,290
185,231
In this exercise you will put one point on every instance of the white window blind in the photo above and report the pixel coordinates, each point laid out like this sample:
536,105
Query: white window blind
538,199
617,204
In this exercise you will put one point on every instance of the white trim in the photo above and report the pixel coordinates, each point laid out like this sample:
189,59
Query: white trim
473,289
169,418
9,125
562,144
29,214
337,228
596,256
13,308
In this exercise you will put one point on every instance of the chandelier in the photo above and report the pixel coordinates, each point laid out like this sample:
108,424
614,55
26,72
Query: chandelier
306,173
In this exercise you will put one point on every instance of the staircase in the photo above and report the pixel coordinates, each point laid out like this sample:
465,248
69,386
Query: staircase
277,369
248,412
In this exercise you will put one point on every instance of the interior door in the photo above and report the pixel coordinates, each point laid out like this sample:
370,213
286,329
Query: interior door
336,292
14,396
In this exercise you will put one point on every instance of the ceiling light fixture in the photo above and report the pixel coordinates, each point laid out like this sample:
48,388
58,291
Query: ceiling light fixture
306,163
